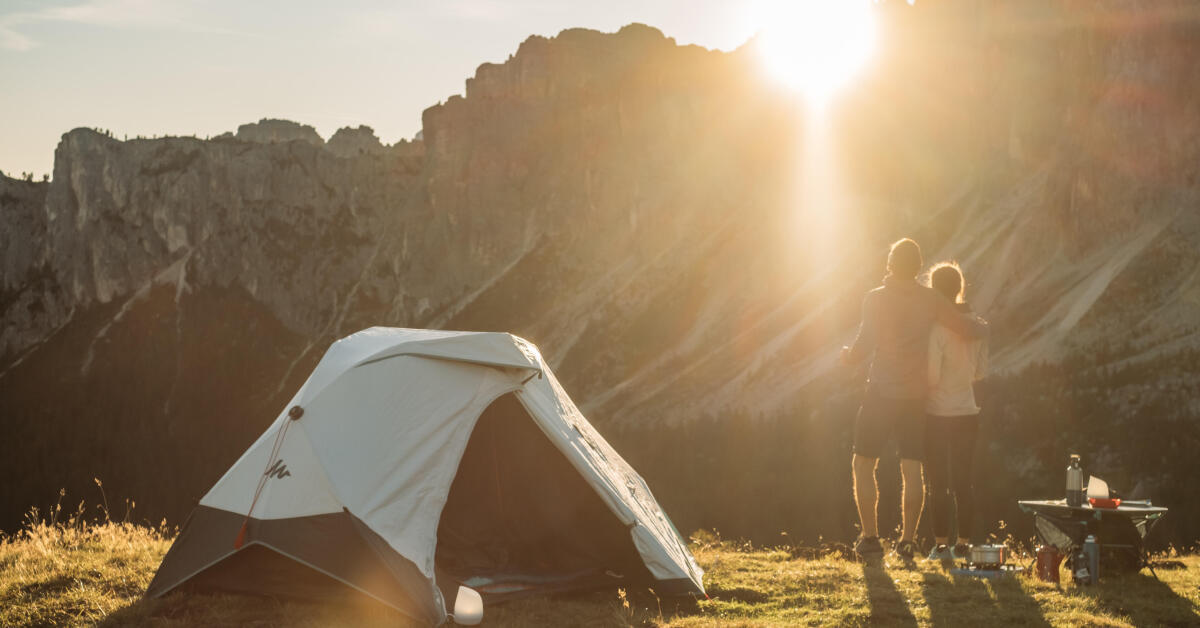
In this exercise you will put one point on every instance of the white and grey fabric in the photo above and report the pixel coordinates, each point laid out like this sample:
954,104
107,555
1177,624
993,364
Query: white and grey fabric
349,484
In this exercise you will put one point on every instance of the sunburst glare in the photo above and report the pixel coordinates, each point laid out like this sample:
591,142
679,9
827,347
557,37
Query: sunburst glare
815,46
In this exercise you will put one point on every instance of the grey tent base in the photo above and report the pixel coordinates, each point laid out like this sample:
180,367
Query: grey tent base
317,557
519,519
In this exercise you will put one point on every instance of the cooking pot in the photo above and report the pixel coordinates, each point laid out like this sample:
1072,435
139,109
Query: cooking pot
989,555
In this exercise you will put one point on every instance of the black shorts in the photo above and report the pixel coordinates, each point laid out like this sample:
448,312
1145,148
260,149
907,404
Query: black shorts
878,418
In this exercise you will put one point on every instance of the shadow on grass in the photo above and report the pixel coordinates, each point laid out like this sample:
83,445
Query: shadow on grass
738,594
959,600
1015,604
1146,600
955,602
888,607
48,587
135,614
606,607
223,609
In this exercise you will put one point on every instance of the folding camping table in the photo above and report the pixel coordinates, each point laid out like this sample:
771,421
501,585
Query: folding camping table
1120,532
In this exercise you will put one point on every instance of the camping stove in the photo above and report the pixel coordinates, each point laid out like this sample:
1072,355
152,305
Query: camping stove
987,561
987,556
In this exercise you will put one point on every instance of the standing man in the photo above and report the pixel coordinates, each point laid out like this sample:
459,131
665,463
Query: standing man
896,321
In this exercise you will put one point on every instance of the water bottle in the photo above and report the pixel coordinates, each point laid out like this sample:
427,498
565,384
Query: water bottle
1080,571
1092,550
1074,482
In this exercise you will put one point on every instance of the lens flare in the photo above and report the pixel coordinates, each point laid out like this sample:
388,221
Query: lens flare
816,46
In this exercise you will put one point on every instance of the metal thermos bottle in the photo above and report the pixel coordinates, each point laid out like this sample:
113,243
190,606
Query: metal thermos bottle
1074,482
1092,550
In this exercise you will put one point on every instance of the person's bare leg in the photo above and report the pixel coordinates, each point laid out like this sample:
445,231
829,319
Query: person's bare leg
866,494
913,497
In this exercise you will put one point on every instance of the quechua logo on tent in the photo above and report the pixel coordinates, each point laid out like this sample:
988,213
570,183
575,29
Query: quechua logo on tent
278,470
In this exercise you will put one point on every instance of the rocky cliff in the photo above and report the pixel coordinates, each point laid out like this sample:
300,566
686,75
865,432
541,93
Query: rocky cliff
646,212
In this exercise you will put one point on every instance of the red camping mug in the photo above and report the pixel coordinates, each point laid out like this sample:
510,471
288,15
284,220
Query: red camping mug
1048,559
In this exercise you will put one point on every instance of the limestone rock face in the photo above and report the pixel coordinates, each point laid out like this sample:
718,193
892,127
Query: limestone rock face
272,131
348,142
124,215
672,228
33,303
23,239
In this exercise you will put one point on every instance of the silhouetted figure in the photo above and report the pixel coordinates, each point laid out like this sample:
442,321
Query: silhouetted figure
955,364
897,319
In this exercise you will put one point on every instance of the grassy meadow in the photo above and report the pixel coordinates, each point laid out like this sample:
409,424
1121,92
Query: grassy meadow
65,571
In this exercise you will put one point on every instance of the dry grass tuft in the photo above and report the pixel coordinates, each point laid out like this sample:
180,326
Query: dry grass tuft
73,570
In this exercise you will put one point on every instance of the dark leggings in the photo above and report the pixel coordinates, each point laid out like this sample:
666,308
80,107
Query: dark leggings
949,455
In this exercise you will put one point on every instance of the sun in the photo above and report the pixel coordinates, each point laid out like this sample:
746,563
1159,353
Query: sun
816,46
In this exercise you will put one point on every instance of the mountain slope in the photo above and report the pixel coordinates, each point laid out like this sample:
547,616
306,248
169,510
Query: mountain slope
647,213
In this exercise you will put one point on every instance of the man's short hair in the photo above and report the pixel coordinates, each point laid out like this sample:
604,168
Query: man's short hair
904,260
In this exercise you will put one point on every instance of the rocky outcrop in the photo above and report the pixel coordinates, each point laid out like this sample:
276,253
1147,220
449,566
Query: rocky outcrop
272,131
22,241
30,299
348,142
221,213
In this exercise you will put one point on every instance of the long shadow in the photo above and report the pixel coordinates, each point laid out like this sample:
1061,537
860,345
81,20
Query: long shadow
959,600
1017,605
1147,600
136,613
888,607
954,602
199,609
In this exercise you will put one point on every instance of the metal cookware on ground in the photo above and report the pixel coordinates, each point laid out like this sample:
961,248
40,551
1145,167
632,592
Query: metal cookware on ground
987,556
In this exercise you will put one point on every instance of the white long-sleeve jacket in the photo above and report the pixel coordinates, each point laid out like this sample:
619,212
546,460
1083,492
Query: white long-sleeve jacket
955,364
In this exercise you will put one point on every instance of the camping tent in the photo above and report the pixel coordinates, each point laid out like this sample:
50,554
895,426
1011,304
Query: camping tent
411,461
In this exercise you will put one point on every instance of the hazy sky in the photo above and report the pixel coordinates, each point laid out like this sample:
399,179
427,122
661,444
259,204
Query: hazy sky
182,67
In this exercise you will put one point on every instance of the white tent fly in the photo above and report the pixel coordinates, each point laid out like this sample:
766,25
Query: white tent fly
413,462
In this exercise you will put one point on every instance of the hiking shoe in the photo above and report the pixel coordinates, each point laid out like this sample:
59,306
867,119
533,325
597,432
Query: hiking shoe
868,547
961,551
942,553
906,549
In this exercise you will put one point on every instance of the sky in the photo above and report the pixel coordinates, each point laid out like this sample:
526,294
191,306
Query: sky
193,67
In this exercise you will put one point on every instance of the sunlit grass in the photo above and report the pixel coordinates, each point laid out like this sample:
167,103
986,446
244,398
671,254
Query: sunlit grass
62,570
66,571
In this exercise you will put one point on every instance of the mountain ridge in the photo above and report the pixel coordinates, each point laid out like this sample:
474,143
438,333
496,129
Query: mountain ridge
628,204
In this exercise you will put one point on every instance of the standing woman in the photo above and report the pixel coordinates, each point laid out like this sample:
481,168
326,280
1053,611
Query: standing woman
955,364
